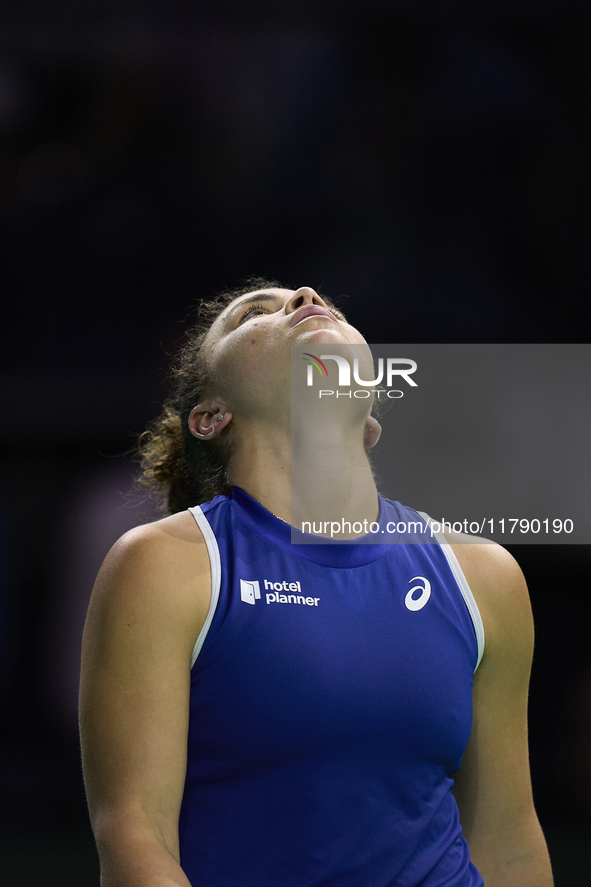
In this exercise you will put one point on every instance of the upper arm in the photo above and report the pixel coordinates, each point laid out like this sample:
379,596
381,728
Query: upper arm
148,604
493,786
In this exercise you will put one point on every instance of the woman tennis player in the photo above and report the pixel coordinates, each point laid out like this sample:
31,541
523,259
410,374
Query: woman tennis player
261,711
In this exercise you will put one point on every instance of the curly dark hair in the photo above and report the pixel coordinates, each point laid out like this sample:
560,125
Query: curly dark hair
179,469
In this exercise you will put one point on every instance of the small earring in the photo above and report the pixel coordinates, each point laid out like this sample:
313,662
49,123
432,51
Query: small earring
220,417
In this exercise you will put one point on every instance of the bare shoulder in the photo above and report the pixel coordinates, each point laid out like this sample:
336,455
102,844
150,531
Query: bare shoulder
156,571
158,543
499,588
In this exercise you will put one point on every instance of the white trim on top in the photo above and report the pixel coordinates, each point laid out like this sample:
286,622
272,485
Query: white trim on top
462,584
216,576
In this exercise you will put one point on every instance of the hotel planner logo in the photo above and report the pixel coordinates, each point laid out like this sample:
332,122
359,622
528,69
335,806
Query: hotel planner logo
250,592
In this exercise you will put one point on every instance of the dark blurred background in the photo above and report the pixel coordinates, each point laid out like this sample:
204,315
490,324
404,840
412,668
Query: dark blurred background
430,164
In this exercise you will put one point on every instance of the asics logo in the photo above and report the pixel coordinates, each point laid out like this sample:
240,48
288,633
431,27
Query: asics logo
250,592
417,603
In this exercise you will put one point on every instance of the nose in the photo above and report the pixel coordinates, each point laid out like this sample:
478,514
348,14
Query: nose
305,295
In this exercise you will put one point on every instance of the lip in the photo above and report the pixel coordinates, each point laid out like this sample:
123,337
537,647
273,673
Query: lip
310,311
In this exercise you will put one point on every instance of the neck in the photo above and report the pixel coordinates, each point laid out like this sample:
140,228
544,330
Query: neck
320,473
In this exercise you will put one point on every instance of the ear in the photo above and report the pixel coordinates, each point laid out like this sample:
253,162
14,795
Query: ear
206,421
372,432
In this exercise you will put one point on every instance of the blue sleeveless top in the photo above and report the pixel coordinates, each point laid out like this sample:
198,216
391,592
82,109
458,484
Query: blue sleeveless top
331,701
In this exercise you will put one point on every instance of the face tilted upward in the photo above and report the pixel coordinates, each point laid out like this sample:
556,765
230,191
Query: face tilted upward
249,344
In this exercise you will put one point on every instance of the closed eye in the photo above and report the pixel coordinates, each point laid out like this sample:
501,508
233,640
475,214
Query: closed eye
252,309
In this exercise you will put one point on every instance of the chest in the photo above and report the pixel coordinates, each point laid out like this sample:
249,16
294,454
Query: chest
359,661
